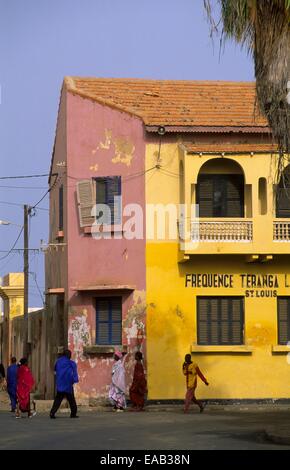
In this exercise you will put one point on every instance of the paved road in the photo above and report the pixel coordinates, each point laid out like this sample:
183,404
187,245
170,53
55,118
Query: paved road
150,430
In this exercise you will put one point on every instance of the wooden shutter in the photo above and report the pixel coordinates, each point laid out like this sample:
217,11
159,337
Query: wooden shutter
109,321
225,321
283,203
237,320
86,198
205,188
100,190
202,321
283,195
234,196
116,321
113,190
220,195
102,335
283,320
220,320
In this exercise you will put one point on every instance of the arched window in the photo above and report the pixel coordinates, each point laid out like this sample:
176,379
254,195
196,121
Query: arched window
220,189
283,195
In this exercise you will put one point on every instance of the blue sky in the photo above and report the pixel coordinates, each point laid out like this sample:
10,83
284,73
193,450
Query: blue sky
41,41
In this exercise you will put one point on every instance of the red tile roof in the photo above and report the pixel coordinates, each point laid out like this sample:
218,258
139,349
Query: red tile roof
230,148
176,103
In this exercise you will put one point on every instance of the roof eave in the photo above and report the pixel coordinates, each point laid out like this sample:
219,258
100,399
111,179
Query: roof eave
210,129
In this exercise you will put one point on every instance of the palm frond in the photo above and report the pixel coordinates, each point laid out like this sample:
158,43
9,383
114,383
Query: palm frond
263,26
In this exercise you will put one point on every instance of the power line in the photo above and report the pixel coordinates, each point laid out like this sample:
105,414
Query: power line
21,205
14,244
23,187
3,266
46,193
124,178
22,177
21,249
33,274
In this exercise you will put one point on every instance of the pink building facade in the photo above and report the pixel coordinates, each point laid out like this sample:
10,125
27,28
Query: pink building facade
89,280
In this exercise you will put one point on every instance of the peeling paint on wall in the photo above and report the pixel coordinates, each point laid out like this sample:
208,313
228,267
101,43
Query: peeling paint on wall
108,140
79,334
124,149
94,167
134,324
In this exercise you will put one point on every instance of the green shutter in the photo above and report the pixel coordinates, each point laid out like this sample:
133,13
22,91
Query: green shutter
220,195
220,320
283,320
205,196
234,196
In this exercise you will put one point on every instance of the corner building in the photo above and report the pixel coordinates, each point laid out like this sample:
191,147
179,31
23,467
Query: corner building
222,292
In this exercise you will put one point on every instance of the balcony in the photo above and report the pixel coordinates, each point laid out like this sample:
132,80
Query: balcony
258,236
232,231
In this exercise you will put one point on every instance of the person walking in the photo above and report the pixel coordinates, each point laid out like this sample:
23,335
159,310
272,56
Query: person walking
66,376
25,383
118,386
12,383
191,371
138,388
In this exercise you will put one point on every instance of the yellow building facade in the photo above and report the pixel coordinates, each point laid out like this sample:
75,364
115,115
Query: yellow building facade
12,294
222,292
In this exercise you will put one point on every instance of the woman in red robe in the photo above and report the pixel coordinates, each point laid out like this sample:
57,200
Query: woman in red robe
138,388
25,382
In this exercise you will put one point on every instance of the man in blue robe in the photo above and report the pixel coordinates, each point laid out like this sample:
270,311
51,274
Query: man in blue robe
12,382
66,376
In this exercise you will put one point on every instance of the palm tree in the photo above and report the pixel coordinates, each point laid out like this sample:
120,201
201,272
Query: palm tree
263,26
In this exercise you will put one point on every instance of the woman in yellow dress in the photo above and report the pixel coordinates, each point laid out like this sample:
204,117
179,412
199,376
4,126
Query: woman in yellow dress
191,371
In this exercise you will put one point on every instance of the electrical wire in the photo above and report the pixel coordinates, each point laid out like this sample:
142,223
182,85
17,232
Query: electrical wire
22,187
21,205
14,244
3,266
22,177
124,178
33,274
46,193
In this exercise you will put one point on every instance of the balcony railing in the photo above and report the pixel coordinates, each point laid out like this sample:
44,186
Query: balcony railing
281,231
231,231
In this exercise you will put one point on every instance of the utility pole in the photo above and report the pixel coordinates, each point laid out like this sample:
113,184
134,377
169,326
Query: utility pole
26,348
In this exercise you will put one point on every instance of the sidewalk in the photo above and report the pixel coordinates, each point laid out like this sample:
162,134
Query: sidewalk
44,406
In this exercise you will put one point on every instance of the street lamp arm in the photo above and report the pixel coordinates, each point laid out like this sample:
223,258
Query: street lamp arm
6,222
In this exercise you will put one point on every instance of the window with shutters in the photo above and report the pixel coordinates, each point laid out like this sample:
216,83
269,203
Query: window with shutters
283,195
102,190
220,320
220,195
108,192
283,304
109,321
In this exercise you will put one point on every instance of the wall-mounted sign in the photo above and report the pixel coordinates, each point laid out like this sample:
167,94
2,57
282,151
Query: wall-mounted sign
256,285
